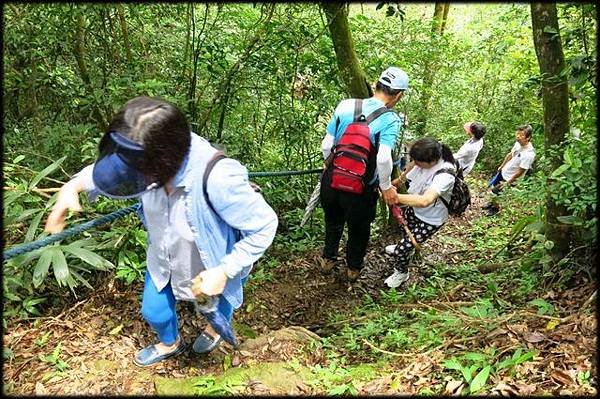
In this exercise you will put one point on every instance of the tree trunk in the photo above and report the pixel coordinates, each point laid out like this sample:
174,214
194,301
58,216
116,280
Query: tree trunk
125,33
438,24
555,91
352,75
440,14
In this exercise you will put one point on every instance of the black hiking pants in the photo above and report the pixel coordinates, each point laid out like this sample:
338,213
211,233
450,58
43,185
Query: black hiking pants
355,210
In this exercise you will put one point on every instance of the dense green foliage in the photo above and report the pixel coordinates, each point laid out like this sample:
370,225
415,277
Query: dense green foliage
262,80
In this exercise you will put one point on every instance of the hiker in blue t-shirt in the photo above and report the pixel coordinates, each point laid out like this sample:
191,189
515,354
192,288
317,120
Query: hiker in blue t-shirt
358,210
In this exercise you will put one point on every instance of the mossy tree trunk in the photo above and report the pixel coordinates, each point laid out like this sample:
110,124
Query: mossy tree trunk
555,91
353,76
438,24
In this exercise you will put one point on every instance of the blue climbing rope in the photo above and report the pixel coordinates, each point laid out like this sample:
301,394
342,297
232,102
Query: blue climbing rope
32,246
80,228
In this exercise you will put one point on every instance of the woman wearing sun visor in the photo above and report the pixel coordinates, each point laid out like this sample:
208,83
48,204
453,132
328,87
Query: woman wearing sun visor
198,243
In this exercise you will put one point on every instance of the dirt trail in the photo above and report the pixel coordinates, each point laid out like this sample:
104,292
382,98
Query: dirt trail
100,334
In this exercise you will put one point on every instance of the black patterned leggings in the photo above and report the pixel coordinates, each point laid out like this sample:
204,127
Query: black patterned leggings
421,231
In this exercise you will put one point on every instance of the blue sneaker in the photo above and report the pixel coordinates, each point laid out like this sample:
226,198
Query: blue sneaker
151,355
204,343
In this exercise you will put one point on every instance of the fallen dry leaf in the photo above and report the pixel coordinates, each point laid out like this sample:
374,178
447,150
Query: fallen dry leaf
275,348
561,377
40,389
496,332
534,337
235,361
453,387
504,389
525,389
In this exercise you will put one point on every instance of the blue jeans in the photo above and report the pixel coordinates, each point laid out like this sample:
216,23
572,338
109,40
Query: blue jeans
495,180
158,309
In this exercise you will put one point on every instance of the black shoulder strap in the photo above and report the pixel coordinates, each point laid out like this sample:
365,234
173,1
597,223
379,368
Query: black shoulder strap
209,166
446,170
456,172
377,113
357,109
444,202
452,172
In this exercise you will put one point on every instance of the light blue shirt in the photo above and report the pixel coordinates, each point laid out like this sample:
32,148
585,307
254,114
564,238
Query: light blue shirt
388,124
185,236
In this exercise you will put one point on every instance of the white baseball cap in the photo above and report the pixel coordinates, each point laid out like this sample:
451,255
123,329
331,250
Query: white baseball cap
395,78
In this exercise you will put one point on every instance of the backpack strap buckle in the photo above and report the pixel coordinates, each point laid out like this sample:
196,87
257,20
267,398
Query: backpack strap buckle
358,115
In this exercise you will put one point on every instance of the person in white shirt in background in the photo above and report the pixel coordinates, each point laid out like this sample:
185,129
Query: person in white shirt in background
515,164
423,213
467,154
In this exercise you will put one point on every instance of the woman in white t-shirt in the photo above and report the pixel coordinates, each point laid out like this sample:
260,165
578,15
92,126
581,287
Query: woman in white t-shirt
423,213
467,154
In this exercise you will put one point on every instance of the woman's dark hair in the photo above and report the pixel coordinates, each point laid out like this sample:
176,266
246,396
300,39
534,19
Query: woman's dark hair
478,130
428,149
527,129
386,89
161,128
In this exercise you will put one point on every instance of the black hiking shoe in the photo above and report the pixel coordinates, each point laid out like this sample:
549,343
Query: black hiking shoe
492,211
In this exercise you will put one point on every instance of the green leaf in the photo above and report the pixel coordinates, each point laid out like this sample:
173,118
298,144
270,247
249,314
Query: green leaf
12,297
537,226
521,223
467,372
59,266
338,390
569,219
227,360
116,330
27,258
81,279
543,306
567,157
480,379
49,169
41,268
25,214
505,363
10,196
550,29
29,305
56,352
88,257
474,356
560,170
525,357
18,159
452,364
33,227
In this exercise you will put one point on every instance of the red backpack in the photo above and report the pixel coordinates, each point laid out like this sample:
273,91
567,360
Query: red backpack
352,160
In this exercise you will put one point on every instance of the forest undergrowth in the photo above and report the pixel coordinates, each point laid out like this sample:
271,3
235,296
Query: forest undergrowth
481,313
